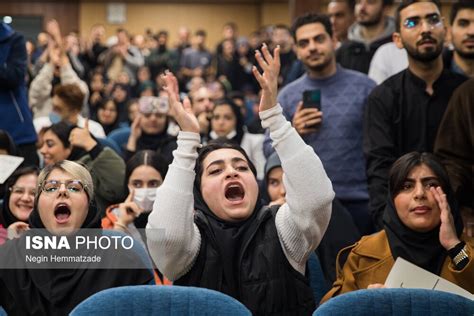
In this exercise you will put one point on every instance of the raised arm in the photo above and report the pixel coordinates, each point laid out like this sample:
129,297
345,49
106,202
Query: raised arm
173,238
303,219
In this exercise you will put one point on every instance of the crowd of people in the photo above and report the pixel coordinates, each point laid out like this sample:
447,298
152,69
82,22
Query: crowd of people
348,134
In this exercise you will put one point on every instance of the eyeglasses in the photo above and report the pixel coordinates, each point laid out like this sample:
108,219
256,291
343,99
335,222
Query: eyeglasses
155,114
72,186
433,20
22,190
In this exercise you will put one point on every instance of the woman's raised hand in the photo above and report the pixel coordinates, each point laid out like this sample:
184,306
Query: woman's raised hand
447,231
128,211
182,112
269,79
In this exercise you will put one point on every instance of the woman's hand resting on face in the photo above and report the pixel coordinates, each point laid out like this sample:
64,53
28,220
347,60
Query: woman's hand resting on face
447,231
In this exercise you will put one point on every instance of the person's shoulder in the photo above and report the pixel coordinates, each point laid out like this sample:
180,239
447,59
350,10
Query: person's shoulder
298,83
357,77
454,78
375,245
390,85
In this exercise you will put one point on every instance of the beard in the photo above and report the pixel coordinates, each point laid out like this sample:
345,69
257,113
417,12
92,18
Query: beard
319,67
373,21
464,55
426,56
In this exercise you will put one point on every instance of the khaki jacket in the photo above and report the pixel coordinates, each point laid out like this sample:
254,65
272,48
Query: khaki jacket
370,261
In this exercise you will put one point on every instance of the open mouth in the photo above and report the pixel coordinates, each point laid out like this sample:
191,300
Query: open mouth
234,192
62,213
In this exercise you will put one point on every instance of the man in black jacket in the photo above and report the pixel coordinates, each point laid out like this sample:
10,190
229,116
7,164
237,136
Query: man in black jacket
372,29
404,112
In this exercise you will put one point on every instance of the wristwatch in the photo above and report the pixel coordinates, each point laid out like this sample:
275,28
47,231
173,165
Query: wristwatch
461,256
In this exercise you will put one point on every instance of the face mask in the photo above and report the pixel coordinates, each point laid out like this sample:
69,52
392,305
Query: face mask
144,198
54,117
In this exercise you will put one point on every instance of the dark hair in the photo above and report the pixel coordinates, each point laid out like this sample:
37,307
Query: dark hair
104,102
239,119
6,217
206,150
6,142
200,32
160,33
62,130
232,25
145,158
403,166
407,3
350,4
282,27
310,18
458,6
122,30
71,95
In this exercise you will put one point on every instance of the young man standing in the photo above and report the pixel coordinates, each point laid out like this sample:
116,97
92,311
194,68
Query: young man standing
404,112
461,60
372,29
336,135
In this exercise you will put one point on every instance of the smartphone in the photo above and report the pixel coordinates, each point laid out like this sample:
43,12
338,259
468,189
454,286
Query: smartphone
312,99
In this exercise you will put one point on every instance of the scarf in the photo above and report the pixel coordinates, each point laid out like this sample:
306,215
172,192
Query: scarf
420,248
227,237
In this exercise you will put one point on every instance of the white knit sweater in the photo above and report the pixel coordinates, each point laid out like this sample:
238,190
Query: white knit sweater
173,238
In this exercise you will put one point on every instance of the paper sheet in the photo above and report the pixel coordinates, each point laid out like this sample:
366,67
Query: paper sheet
8,164
407,275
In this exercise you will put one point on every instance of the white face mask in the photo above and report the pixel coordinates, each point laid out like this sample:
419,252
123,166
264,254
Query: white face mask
144,198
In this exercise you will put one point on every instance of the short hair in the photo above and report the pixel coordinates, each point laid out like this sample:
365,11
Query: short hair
403,166
310,18
76,170
387,2
232,25
71,95
282,27
458,6
407,3
200,32
350,4
162,32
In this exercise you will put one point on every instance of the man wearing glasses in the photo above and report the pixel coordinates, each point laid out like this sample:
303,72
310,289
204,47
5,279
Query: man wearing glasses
403,113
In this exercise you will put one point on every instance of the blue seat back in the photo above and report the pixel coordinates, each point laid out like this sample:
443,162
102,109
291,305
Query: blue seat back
397,302
316,278
120,136
111,144
159,300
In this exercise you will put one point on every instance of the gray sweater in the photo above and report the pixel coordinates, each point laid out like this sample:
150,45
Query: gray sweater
173,237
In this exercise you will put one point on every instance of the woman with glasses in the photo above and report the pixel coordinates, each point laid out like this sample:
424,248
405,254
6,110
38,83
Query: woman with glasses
63,141
64,204
18,201
422,225
149,129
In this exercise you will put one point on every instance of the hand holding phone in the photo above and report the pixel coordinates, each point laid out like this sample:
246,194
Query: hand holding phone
312,99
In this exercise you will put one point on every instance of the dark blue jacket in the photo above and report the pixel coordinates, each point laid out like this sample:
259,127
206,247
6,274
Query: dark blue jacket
15,116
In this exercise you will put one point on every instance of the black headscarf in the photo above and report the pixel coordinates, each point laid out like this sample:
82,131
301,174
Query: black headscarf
239,125
420,248
6,216
227,236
